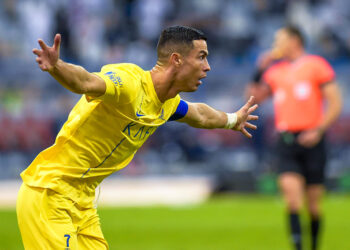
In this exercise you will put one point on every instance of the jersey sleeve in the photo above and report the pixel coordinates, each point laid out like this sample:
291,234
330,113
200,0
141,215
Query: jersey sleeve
324,72
180,111
120,85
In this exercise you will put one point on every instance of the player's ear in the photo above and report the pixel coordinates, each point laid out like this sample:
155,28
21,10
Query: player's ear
175,59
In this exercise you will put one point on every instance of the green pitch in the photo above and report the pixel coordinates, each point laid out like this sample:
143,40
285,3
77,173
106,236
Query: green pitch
227,222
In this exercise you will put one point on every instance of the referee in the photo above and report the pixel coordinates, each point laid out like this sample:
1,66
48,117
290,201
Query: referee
299,84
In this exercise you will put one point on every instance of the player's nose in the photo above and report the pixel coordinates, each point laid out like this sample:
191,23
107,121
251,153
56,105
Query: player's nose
207,66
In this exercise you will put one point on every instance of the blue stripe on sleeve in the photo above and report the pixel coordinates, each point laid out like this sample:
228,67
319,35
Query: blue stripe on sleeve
180,112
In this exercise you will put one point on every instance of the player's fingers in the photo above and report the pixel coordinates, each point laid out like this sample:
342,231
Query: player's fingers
251,126
248,104
43,67
57,41
250,101
253,108
42,44
252,117
38,60
246,133
37,52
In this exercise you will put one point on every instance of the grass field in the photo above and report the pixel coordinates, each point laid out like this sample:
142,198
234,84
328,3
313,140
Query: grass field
239,222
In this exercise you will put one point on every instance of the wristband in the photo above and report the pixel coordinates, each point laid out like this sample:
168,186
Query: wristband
231,120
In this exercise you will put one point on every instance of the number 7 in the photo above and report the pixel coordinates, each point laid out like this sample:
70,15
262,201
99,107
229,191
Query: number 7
68,237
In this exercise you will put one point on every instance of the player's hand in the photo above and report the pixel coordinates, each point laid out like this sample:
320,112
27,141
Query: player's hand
309,138
47,57
244,116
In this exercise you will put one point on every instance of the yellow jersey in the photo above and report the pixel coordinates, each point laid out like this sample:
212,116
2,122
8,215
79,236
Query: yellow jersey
101,134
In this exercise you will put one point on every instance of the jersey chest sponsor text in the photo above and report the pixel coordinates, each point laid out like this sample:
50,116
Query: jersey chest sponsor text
138,132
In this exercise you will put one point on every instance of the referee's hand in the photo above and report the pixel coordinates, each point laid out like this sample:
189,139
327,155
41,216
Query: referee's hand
47,56
309,138
244,115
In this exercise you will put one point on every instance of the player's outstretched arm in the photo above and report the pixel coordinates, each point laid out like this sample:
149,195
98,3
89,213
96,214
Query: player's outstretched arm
200,115
73,77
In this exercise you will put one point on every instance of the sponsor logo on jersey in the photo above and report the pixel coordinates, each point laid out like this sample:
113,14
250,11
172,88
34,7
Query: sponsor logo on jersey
114,78
137,131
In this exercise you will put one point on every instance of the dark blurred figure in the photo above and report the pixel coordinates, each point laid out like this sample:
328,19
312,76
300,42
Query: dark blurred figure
299,83
62,27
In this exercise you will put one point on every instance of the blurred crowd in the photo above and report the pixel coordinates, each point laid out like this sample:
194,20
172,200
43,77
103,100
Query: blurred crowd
99,31
33,106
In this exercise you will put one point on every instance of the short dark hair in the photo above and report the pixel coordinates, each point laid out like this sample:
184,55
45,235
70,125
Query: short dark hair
296,32
177,39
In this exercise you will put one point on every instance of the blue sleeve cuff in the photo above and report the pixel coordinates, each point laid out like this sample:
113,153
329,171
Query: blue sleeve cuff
180,112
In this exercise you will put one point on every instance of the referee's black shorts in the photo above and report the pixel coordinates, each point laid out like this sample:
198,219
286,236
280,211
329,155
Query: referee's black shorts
309,162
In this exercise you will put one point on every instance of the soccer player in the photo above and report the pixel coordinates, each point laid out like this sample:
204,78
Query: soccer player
120,108
299,83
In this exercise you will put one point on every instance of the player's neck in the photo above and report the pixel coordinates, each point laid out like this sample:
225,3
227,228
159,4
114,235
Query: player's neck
163,82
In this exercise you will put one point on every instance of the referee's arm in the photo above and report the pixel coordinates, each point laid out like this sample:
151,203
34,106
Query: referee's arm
260,90
333,98
334,103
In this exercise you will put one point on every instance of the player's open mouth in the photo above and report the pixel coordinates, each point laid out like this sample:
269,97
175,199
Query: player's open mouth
200,78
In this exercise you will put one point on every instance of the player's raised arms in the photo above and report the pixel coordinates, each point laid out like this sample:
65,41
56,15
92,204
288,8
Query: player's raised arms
73,77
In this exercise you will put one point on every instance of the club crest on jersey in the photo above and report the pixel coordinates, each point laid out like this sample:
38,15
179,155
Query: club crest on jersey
114,78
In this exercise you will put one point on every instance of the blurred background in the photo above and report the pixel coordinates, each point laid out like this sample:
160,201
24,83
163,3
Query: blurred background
33,106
